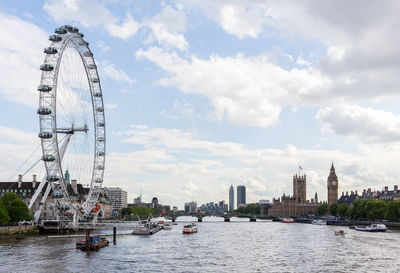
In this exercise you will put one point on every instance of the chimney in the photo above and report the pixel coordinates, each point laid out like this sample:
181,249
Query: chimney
369,190
352,192
74,186
364,191
342,193
396,188
347,193
19,180
386,188
34,181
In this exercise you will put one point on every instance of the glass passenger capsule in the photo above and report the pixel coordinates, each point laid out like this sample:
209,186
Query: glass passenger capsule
44,88
45,135
48,158
81,34
97,94
63,207
91,66
46,67
50,50
52,178
55,38
60,30
99,109
101,139
95,80
100,124
58,194
88,54
44,111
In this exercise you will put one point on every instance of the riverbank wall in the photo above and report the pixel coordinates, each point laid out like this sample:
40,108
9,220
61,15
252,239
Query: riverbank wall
13,230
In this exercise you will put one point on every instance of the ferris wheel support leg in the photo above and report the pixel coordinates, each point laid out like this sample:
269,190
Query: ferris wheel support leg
37,192
42,203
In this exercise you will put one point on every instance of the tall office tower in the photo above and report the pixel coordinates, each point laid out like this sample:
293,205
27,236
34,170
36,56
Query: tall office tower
241,195
231,198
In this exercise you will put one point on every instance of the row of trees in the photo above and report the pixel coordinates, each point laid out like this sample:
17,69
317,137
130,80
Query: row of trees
370,209
138,211
12,209
249,209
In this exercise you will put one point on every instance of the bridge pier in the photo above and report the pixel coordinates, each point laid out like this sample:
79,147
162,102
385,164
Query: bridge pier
227,219
199,219
253,219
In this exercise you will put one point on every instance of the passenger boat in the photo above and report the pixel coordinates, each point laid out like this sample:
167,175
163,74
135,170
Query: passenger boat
372,228
318,222
146,227
95,243
287,220
167,226
188,229
339,232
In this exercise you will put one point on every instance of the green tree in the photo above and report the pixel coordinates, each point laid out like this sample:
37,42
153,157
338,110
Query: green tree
4,218
342,210
126,211
322,209
18,211
393,211
249,209
8,198
333,209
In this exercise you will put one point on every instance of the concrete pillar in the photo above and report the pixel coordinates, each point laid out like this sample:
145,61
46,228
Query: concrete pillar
227,219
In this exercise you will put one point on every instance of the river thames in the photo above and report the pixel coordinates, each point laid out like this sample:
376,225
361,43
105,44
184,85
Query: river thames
237,246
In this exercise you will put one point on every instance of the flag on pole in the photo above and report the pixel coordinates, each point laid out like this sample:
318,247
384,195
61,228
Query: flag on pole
300,168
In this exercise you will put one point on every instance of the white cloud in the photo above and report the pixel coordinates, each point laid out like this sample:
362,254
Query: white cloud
166,38
102,46
245,91
115,73
90,13
364,123
166,27
111,106
128,28
21,53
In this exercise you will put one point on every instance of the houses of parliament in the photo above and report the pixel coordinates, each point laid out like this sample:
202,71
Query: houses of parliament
297,204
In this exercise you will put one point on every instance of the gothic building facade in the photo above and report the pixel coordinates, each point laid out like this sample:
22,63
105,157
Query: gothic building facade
296,205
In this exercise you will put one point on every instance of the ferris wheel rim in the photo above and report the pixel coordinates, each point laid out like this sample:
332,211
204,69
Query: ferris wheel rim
66,36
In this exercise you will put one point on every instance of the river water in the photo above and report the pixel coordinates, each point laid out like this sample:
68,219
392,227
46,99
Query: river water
237,246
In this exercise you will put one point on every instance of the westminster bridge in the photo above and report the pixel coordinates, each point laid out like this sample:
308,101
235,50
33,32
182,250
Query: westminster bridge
226,216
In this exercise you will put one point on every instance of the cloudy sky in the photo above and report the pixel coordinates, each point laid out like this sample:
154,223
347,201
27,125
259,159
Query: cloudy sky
204,94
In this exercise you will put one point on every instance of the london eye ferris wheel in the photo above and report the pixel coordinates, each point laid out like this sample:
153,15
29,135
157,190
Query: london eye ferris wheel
72,124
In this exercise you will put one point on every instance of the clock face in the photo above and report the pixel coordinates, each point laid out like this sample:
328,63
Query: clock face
334,183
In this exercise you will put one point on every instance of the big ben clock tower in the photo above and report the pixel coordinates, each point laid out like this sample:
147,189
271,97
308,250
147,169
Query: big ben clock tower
332,186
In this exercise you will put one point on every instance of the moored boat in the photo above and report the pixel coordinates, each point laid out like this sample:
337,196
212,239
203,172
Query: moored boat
167,226
372,228
318,222
287,220
188,229
95,243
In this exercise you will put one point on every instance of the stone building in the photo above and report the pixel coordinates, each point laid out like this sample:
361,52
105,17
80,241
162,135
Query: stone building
26,189
296,205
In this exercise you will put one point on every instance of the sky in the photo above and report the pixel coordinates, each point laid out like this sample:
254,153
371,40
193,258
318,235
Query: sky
200,95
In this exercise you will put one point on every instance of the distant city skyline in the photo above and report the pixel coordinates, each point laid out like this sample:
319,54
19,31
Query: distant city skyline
200,95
